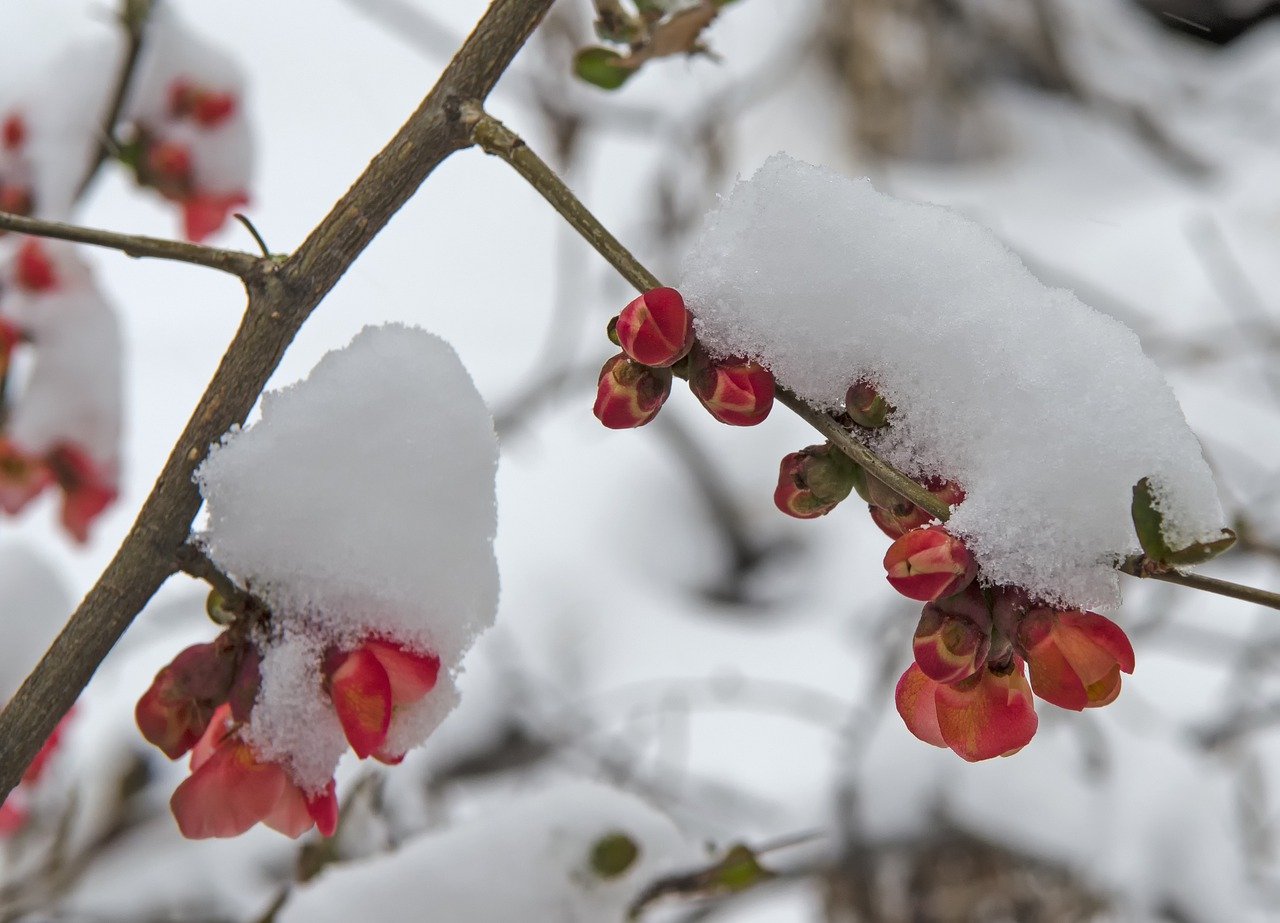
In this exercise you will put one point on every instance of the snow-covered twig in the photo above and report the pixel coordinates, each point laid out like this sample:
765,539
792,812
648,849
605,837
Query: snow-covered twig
495,138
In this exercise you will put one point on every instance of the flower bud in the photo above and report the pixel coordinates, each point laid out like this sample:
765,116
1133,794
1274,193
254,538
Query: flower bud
656,329
1076,658
865,406
13,132
813,481
953,637
175,711
32,269
88,488
735,391
16,199
928,564
896,516
207,108
22,477
629,394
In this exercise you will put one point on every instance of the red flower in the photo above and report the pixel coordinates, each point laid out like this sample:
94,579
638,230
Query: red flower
13,132
656,329
205,213
230,789
367,684
206,107
813,481
928,564
987,715
629,394
22,477
87,489
176,709
735,391
1076,658
16,199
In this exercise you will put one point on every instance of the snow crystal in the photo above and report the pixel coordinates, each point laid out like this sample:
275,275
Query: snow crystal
74,391
1044,410
361,504
523,858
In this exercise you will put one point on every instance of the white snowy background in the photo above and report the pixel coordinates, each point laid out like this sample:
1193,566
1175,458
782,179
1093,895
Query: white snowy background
632,682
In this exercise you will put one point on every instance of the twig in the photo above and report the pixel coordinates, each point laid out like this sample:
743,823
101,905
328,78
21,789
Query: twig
232,261
495,138
133,19
1141,566
281,297
193,562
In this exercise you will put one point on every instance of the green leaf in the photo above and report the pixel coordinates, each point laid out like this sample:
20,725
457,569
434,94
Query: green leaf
739,870
601,67
612,855
1148,523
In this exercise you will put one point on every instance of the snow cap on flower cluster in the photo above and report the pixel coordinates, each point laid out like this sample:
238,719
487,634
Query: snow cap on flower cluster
73,394
1045,411
176,56
360,505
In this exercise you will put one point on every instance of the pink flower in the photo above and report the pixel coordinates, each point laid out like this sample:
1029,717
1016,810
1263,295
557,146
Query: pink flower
735,391
989,714
230,789
1076,658
368,683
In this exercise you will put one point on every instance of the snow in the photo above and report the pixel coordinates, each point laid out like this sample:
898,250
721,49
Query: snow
360,504
518,858
1044,410
74,391
28,585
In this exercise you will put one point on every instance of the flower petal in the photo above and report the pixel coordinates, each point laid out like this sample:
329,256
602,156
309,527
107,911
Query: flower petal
361,694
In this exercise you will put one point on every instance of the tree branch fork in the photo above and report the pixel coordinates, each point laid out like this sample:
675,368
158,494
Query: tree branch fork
282,292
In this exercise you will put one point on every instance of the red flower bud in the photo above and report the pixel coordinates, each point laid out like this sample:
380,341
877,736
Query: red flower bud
1076,658
629,394
656,329
10,336
32,269
13,132
735,391
928,564
166,166
370,682
204,213
953,637
813,481
865,406
896,516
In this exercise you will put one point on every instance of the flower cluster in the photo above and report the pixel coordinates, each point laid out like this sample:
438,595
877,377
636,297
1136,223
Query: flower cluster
967,689
655,332
974,646
203,701
62,423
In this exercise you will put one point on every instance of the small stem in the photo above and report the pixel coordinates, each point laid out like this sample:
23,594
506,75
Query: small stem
253,232
133,19
232,261
1142,566
193,562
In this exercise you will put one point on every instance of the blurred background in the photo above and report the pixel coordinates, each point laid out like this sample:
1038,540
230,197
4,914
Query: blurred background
666,639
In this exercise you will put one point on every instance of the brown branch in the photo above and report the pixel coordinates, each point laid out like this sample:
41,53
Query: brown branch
495,138
133,19
281,297
232,261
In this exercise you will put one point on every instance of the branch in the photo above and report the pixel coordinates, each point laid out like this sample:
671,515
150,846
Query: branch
133,19
495,138
232,261
281,297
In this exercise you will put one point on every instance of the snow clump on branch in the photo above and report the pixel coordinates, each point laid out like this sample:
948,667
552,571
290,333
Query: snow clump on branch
1044,411
361,509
